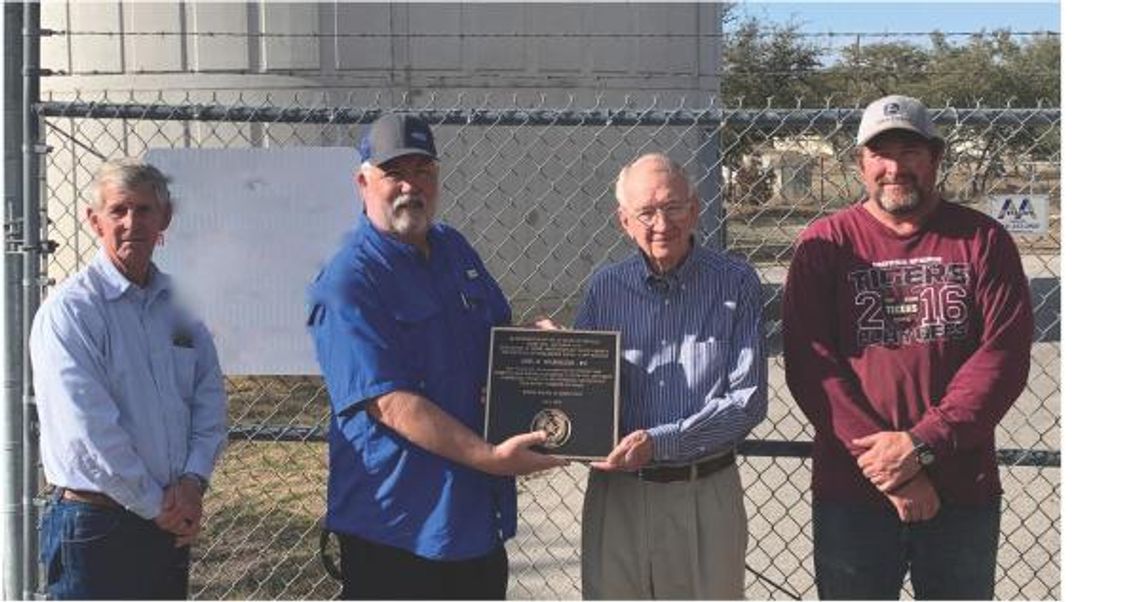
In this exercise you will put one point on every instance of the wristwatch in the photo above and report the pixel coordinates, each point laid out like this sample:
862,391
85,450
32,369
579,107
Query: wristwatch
922,450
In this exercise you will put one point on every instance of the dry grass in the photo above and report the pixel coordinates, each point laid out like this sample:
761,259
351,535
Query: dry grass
263,532
278,400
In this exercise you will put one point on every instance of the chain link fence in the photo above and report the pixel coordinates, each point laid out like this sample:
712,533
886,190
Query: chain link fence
531,187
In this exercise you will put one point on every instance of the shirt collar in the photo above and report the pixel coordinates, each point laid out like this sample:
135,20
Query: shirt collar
683,272
113,284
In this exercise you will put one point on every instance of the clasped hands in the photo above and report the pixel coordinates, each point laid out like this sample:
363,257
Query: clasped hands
891,464
181,512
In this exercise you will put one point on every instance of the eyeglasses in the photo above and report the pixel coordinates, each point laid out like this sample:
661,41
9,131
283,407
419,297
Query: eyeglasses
672,212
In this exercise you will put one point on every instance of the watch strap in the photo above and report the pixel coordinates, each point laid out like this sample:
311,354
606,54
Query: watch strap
923,452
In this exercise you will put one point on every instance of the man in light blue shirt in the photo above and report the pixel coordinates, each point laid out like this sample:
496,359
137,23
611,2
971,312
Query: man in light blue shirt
132,407
664,513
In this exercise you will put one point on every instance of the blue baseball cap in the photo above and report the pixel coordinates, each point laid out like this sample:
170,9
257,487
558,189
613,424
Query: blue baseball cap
396,135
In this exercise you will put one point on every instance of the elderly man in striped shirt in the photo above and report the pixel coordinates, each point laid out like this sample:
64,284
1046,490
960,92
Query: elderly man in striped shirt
664,512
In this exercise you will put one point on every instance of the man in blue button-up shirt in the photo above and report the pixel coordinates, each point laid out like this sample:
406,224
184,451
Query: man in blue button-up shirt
401,319
131,404
664,513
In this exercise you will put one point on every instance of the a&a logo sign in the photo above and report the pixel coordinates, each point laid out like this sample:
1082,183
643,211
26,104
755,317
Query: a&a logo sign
1021,214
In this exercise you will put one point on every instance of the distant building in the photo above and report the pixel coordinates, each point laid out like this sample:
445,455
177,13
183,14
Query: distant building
790,170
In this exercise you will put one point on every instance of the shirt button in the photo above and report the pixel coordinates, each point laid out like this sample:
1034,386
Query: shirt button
666,302
661,384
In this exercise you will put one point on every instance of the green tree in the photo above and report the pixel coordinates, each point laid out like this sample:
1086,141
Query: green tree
764,64
1038,66
993,69
868,71
770,62
996,70
775,65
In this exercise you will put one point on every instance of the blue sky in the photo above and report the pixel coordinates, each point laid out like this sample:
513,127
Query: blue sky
911,16
870,18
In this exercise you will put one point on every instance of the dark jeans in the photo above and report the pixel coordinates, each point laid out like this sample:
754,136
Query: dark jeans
378,572
863,552
96,553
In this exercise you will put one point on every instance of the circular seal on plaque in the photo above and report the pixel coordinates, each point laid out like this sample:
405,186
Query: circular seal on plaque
556,424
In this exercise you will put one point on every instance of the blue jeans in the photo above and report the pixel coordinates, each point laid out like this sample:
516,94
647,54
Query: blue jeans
93,552
864,552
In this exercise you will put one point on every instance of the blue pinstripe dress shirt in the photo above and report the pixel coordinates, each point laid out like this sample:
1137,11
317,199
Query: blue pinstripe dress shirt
694,373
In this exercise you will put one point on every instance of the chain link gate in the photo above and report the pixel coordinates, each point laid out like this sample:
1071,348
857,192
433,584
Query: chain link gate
531,187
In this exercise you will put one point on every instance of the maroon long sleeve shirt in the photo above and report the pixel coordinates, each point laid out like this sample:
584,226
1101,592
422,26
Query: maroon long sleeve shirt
929,333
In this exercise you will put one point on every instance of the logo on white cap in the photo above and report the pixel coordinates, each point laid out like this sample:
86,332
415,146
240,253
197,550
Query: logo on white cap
895,112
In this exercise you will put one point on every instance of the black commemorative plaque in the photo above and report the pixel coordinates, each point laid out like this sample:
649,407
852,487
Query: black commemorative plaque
562,381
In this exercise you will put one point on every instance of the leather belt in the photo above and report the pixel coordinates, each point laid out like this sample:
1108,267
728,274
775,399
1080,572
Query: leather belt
689,472
89,497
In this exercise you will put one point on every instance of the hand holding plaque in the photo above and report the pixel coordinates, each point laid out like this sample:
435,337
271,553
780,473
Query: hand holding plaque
563,382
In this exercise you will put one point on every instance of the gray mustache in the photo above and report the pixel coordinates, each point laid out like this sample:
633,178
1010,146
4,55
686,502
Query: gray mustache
409,201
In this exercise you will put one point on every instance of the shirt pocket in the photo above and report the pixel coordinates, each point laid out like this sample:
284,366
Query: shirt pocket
185,360
703,362
479,299
421,337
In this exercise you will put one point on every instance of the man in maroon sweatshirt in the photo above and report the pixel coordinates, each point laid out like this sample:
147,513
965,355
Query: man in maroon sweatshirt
907,331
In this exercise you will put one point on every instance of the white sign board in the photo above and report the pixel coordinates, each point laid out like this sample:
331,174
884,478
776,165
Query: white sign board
1021,214
251,229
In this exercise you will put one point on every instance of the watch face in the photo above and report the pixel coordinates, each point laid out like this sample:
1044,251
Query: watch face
926,457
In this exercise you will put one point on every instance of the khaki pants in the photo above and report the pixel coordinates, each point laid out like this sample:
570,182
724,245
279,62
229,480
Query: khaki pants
643,540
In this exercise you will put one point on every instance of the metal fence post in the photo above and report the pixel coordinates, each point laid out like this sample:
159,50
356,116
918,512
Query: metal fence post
709,188
11,446
31,283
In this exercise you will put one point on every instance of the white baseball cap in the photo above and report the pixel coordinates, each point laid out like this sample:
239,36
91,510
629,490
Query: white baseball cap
895,112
